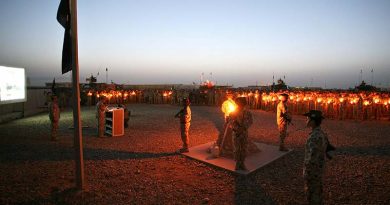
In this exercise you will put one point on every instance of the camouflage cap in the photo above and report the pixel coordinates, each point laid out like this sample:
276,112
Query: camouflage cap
314,114
187,101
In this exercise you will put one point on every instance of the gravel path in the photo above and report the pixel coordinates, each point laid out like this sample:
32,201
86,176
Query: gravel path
141,167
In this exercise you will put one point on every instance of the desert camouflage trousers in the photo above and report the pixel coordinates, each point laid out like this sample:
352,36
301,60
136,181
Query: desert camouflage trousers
184,129
54,128
313,190
101,126
240,142
282,132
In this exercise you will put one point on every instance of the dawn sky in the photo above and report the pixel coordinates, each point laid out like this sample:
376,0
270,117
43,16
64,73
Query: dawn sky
241,42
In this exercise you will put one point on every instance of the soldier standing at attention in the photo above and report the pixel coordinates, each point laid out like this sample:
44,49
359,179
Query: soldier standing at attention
100,115
241,121
283,117
185,122
54,115
314,163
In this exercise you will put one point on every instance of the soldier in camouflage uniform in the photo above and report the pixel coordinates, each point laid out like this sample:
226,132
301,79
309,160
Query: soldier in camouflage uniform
100,115
185,122
314,163
283,118
54,115
241,120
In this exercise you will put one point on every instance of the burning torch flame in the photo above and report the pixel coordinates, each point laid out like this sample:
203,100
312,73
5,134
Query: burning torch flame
228,107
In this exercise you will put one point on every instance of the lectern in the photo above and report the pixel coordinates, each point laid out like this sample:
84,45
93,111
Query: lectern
115,121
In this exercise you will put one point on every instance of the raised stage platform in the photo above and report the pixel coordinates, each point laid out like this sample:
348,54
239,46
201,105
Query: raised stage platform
253,162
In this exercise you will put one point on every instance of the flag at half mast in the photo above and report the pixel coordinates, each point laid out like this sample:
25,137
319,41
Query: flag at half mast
63,17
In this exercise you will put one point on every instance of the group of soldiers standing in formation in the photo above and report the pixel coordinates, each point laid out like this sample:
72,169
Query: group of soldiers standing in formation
316,147
339,105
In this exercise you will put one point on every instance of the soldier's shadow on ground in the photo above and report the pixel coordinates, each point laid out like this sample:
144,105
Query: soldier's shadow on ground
67,196
55,152
248,191
378,150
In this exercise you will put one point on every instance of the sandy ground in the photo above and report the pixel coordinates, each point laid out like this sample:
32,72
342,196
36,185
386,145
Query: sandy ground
141,167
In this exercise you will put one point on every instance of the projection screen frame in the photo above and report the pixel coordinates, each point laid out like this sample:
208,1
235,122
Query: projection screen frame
20,100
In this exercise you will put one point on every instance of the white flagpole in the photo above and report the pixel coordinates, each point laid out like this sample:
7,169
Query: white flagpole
78,138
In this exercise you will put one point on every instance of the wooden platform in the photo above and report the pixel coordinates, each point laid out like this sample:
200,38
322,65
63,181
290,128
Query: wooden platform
253,162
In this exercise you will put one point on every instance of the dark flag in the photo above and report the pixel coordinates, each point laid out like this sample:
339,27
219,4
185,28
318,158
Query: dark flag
63,17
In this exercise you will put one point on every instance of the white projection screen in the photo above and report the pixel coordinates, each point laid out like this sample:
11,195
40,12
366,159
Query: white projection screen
12,85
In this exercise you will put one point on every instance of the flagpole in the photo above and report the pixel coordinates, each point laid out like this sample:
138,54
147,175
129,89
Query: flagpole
78,139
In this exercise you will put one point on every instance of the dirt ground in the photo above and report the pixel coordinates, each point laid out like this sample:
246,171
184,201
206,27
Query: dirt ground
142,168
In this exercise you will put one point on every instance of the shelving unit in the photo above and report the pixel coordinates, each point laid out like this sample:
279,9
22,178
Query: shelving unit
114,125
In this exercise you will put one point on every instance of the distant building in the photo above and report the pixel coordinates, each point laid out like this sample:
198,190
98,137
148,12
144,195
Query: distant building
258,87
365,87
160,87
305,88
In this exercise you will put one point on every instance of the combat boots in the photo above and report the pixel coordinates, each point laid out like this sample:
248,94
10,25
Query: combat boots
183,150
283,148
240,166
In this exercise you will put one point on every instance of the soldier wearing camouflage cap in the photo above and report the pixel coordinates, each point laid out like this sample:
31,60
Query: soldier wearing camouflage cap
283,118
241,121
101,107
185,123
54,115
314,162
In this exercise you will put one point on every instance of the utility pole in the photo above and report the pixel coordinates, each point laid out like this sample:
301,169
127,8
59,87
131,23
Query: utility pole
106,75
311,82
273,78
